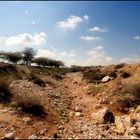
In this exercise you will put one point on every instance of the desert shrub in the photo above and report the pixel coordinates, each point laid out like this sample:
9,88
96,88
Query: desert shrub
33,77
17,76
125,103
113,74
120,65
131,90
129,96
7,68
5,92
57,76
30,104
125,74
93,75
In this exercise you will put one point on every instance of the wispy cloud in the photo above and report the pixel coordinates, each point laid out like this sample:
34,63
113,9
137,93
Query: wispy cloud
97,29
46,53
90,38
70,53
136,37
72,22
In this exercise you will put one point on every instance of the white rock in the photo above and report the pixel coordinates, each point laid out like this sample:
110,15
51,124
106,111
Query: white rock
78,114
33,137
105,79
10,135
27,119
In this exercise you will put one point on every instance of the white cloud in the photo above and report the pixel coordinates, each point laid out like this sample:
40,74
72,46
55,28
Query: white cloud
137,37
33,22
24,40
97,56
97,29
72,22
90,38
130,59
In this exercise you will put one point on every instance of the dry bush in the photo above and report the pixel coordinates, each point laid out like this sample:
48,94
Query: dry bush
36,79
125,74
5,92
129,96
17,76
57,76
7,68
113,74
93,75
118,66
30,104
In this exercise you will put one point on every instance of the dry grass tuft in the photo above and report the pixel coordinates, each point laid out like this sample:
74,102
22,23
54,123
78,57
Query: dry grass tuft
33,77
30,104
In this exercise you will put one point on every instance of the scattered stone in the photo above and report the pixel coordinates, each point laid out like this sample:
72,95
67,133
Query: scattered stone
137,109
27,120
42,132
61,127
119,125
105,79
78,109
10,135
103,101
33,137
78,114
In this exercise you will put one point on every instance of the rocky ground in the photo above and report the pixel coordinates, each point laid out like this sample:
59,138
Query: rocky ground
72,113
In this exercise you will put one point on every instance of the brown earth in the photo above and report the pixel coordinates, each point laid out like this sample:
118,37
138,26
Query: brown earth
60,99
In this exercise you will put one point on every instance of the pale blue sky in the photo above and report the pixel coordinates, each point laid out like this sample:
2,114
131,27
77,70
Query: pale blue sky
82,33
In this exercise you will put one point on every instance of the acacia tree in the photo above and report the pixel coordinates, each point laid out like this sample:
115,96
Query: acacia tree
41,61
28,55
13,57
2,56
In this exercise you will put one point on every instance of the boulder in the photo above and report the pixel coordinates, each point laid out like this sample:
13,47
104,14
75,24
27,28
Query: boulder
105,79
103,116
10,135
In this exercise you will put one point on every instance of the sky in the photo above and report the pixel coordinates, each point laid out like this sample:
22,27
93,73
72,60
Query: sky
76,32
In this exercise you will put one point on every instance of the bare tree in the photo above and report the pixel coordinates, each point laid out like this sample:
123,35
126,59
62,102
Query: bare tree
28,55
